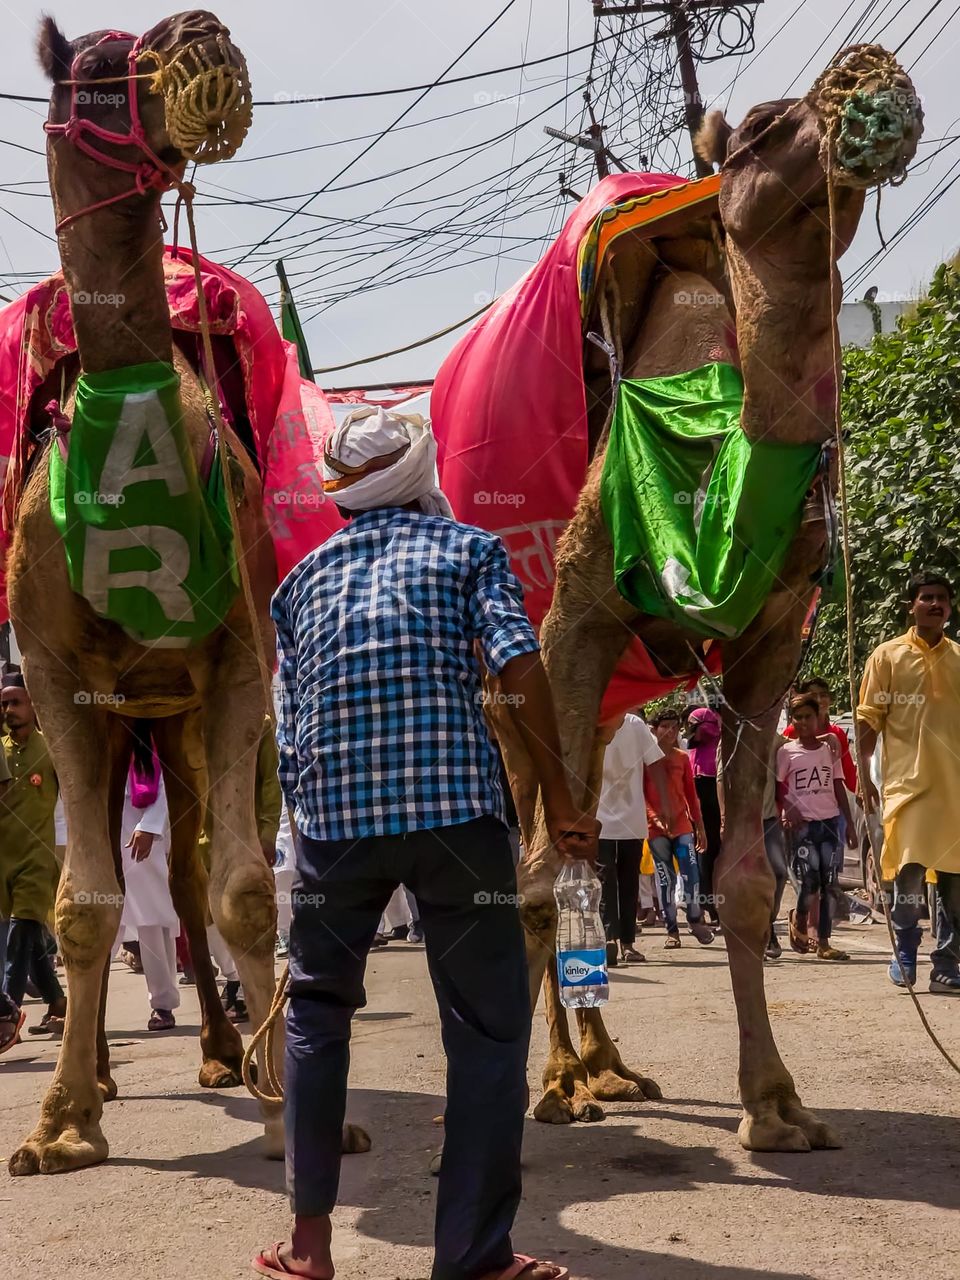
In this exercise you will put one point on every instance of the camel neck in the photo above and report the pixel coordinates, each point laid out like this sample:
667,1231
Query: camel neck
113,266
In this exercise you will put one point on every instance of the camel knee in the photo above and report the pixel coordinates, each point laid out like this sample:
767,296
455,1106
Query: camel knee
87,921
246,911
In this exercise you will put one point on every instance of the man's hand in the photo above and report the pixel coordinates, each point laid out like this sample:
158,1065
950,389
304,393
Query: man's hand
700,837
140,844
851,837
868,791
573,835
269,848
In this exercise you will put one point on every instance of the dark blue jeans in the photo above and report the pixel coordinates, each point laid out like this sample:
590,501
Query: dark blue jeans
816,850
909,893
465,885
29,956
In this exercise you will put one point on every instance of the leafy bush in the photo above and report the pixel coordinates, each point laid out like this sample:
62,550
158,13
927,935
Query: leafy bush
901,413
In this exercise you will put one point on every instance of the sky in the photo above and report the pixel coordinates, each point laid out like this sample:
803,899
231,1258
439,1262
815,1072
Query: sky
454,203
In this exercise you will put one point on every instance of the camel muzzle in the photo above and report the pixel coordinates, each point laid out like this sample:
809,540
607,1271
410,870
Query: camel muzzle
870,117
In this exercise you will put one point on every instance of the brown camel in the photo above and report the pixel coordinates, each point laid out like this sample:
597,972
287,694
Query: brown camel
765,295
89,680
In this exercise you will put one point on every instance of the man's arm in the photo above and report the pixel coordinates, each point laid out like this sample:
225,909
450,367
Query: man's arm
693,803
269,799
840,791
869,718
288,764
530,702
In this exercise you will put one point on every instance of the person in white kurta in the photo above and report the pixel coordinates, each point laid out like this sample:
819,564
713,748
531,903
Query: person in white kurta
147,905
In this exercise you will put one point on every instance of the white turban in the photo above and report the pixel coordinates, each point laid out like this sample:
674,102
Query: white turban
380,459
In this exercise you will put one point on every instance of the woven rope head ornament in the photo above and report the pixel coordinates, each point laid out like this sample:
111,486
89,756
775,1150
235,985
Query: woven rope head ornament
206,96
870,117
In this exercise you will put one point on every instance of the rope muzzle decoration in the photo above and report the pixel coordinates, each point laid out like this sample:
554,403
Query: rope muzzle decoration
207,103
871,117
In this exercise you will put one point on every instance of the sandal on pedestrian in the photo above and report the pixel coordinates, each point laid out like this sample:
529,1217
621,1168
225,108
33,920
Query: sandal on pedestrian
161,1020
269,1263
800,942
702,932
672,942
630,955
826,952
51,1024
522,1264
10,1029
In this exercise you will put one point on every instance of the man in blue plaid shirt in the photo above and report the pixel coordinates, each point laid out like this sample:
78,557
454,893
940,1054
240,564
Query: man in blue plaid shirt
391,776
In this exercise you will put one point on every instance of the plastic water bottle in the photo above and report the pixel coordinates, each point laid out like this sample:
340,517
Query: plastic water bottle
581,941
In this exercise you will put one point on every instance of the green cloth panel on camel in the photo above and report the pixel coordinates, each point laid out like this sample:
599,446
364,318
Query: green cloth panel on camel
701,519
146,544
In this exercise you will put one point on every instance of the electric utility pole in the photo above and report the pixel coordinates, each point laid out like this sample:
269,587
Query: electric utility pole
678,12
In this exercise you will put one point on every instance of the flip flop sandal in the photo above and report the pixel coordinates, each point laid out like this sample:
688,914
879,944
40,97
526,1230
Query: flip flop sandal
269,1263
831,953
672,942
630,955
49,1024
17,1024
521,1263
800,942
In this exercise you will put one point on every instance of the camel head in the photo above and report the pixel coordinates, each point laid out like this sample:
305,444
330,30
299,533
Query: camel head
857,127
127,114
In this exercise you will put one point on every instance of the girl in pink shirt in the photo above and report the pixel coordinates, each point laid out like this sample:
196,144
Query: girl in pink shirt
811,797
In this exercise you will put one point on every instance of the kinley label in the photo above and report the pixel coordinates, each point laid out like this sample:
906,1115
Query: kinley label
583,968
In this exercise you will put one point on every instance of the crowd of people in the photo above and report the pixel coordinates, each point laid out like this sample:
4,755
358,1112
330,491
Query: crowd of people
392,787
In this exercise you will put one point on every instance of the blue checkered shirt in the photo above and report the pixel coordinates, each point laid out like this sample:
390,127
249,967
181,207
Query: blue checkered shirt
382,728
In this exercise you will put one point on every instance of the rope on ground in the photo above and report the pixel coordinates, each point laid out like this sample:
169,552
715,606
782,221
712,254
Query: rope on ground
863,773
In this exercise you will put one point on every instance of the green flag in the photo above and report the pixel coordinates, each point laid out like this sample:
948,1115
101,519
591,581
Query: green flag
700,517
290,324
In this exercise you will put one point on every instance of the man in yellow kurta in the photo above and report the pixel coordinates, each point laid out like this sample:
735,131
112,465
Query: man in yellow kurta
911,696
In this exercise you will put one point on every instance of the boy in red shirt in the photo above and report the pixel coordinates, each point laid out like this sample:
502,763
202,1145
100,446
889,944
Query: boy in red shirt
673,836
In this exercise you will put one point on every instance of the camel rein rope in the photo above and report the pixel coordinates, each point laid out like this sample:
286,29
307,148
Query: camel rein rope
863,772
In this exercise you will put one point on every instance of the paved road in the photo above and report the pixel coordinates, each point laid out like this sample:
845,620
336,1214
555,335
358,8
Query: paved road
659,1190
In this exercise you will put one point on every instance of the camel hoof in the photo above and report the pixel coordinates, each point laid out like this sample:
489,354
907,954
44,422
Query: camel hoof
587,1110
553,1108
69,1151
355,1140
611,1086
217,1075
108,1089
771,1134
819,1134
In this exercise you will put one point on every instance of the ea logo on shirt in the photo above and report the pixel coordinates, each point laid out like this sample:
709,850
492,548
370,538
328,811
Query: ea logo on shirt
575,970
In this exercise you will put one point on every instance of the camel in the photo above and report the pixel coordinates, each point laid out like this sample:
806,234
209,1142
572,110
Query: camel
94,686
762,278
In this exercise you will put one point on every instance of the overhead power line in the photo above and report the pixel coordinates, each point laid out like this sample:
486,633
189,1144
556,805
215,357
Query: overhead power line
367,149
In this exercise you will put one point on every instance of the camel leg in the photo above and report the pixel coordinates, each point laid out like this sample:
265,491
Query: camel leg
84,738
607,1076
242,892
773,1116
180,745
119,766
